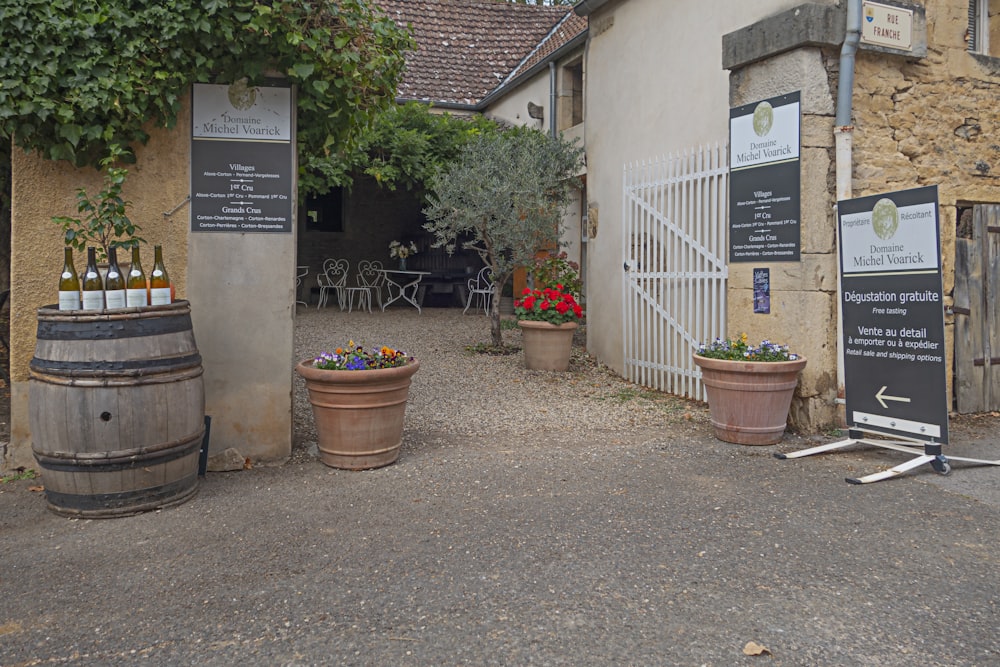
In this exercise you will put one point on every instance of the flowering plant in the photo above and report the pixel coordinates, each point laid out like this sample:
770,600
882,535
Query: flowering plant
547,305
356,358
399,250
557,270
738,350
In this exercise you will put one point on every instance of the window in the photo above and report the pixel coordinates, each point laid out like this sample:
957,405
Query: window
576,78
571,104
983,35
325,213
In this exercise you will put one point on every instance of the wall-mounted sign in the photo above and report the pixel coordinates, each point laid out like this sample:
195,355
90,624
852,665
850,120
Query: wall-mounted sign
762,291
894,349
764,185
888,26
242,158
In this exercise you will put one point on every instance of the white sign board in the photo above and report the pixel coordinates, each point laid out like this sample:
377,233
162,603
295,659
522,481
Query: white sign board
888,26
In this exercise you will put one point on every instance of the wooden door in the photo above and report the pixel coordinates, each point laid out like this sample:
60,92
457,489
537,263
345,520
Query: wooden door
977,312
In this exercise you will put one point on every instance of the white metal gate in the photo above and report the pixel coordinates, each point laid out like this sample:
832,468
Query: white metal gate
675,263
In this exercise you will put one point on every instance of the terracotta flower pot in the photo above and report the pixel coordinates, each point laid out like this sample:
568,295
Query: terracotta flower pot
359,414
547,346
749,400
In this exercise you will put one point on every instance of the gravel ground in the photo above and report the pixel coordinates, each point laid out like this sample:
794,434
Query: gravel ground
458,392
533,519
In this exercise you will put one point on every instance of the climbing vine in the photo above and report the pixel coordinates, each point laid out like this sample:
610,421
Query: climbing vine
77,76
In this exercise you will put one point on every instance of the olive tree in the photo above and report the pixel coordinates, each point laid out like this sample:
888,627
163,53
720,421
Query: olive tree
504,197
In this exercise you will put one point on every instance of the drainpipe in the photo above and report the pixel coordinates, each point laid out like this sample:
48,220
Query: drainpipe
843,129
843,134
552,99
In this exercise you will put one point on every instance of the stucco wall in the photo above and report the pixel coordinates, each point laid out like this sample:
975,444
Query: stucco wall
241,291
654,84
512,108
156,184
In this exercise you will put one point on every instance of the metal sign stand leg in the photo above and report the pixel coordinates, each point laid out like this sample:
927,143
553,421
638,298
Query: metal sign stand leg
931,455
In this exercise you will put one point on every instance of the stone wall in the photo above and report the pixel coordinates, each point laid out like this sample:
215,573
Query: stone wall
929,118
803,294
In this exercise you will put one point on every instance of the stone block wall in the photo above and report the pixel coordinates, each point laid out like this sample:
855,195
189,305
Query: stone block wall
927,118
803,294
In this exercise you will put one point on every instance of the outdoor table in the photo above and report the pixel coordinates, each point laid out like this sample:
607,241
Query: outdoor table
406,284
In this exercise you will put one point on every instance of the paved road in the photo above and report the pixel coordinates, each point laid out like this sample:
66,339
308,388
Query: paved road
650,547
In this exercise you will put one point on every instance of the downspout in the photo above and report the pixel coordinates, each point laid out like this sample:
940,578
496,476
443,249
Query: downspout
843,134
552,99
845,92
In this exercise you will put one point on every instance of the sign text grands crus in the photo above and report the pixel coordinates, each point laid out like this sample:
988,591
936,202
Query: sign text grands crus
239,126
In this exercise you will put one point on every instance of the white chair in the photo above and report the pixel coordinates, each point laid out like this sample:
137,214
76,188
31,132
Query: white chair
333,278
481,286
370,276
301,272
360,289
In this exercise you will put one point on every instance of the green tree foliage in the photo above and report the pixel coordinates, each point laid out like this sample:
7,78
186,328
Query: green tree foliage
77,76
406,146
506,193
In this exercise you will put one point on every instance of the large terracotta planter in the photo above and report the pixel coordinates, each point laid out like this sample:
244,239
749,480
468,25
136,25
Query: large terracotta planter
359,414
749,400
547,346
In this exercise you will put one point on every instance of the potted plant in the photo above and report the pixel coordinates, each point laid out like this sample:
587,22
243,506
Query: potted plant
103,221
749,388
400,250
548,319
358,398
551,270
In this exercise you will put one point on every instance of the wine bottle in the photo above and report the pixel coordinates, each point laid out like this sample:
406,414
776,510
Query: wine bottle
159,281
69,283
135,285
114,284
93,286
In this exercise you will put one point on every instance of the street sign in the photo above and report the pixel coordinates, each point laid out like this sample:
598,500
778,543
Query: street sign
893,314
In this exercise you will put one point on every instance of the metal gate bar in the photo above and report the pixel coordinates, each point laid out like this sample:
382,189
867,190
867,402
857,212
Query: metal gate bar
675,288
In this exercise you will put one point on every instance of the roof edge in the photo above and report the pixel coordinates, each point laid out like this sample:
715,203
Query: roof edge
535,69
585,7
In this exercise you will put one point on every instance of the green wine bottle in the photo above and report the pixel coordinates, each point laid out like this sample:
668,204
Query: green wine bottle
93,286
69,283
159,281
135,286
114,284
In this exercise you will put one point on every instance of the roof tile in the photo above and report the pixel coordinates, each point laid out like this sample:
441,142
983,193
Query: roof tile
466,48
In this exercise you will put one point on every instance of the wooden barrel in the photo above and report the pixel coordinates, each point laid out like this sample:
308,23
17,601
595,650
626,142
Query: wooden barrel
117,409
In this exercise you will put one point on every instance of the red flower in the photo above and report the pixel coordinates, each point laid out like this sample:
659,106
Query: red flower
528,303
577,310
562,307
544,305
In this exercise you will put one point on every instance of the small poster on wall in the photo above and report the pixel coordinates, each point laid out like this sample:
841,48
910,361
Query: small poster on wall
762,290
